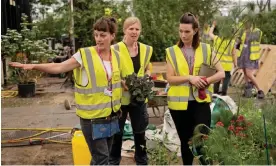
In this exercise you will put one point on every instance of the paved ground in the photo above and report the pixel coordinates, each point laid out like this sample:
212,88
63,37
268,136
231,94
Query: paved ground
45,110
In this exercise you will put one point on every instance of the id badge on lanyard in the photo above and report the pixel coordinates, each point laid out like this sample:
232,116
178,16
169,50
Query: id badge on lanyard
108,90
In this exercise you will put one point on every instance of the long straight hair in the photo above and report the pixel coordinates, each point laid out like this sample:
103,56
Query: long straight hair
188,18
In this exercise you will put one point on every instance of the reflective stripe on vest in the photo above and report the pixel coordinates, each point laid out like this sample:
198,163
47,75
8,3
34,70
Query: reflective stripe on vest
95,88
179,98
173,56
223,50
98,106
147,55
254,45
186,84
127,65
175,99
117,48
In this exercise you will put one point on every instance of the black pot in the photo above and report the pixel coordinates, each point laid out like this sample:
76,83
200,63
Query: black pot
160,84
26,89
136,103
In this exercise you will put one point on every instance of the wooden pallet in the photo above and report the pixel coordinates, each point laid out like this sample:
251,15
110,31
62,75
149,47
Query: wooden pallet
265,75
237,78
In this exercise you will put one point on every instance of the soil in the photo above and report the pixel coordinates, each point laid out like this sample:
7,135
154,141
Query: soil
46,110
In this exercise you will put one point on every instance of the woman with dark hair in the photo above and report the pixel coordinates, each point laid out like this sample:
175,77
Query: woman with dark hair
189,94
97,88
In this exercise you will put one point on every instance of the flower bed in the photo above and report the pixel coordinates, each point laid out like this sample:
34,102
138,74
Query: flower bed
241,140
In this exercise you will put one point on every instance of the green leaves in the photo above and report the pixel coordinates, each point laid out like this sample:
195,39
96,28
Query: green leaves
160,20
23,47
140,88
240,142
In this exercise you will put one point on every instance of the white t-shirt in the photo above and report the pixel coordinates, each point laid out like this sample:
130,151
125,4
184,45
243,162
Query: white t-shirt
78,58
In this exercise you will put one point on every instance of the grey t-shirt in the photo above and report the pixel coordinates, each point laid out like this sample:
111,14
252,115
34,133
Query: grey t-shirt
190,53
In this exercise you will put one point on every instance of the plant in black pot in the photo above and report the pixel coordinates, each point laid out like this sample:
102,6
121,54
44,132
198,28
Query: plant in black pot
24,48
140,88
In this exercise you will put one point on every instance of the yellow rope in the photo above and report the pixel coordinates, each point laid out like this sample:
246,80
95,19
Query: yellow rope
35,136
8,93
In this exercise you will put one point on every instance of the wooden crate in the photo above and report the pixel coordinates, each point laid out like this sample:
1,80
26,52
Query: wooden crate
265,75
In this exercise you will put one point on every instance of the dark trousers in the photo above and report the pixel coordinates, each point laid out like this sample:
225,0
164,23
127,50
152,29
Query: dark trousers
99,148
225,84
139,122
185,122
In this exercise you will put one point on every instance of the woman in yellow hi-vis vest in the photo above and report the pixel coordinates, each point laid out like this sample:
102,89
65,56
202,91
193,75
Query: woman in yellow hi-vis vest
97,88
248,56
205,33
189,94
135,57
225,50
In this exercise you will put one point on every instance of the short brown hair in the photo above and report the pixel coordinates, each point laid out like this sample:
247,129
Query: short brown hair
189,18
106,24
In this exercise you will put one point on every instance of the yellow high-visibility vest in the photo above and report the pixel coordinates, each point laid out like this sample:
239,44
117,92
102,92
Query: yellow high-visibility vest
205,34
178,95
223,51
127,65
91,102
255,47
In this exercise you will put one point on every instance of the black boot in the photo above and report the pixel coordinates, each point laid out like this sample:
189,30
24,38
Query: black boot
260,94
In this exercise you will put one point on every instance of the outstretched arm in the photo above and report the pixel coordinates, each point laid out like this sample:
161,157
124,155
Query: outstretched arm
211,31
52,68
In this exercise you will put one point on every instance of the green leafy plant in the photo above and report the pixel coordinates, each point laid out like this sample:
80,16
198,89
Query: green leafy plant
239,139
140,88
24,48
160,155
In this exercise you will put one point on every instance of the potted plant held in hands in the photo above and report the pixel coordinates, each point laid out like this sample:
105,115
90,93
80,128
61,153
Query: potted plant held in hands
140,88
24,48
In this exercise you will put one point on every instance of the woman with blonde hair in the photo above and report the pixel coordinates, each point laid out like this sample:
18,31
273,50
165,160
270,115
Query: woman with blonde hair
135,59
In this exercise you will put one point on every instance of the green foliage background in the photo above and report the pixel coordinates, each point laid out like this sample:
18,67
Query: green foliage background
159,20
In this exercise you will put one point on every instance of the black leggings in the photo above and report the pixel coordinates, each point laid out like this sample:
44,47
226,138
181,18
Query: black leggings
185,121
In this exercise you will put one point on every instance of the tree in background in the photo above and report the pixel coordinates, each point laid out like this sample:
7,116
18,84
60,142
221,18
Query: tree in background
160,19
267,22
262,4
86,12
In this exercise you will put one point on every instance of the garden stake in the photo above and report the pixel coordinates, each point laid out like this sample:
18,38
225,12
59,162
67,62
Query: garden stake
266,147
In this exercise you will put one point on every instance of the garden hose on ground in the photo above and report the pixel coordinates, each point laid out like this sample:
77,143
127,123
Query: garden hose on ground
35,136
8,93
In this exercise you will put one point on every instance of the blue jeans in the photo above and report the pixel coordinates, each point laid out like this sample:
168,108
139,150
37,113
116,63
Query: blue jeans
99,148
